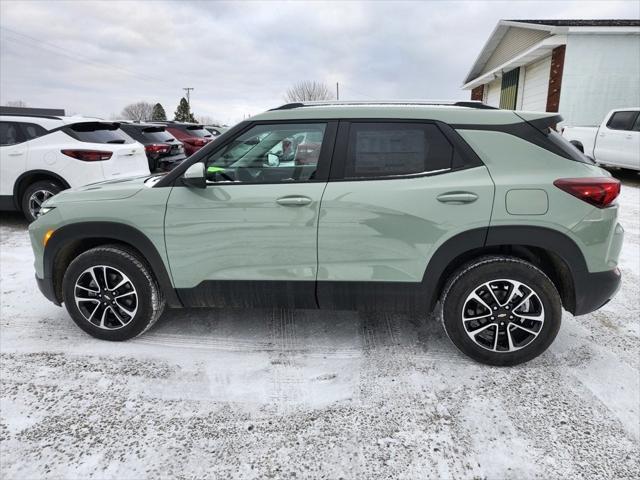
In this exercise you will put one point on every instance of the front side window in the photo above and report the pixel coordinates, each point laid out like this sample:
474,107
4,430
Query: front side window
393,149
269,154
622,120
10,133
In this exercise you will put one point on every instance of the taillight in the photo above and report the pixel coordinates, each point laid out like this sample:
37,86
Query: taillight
600,191
157,148
88,155
197,142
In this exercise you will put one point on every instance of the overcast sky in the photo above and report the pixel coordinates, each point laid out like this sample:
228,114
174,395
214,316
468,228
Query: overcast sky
93,57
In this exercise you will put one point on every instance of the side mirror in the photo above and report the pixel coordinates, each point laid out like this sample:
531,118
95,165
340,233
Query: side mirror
195,176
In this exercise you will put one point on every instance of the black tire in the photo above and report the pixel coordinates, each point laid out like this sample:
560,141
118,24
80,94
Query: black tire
500,271
42,186
149,303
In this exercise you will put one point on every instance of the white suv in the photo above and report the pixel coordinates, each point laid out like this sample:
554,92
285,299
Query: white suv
42,155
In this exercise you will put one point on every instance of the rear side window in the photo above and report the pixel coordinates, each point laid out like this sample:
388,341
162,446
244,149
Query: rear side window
565,147
622,120
32,130
10,134
636,125
94,132
393,149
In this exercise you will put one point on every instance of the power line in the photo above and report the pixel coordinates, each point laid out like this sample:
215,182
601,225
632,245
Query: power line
49,47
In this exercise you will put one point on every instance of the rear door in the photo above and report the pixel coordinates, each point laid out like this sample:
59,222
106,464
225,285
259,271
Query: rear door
397,191
13,155
250,237
617,144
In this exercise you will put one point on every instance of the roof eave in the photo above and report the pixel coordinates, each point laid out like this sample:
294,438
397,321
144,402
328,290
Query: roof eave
537,51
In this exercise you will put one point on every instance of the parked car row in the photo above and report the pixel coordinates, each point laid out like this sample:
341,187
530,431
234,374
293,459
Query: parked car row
41,155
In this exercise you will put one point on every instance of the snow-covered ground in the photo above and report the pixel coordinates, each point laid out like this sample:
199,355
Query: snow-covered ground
274,394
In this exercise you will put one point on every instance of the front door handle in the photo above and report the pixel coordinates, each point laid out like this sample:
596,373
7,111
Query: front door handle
294,201
16,154
457,198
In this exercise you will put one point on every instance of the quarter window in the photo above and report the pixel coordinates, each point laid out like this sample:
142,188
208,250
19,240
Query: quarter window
10,133
269,154
392,149
622,120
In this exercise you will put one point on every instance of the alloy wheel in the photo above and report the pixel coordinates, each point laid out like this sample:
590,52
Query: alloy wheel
503,315
36,200
106,297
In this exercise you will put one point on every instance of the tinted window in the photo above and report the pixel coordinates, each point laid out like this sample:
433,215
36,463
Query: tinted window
31,130
566,147
269,154
10,133
636,126
94,132
390,149
157,134
622,120
198,131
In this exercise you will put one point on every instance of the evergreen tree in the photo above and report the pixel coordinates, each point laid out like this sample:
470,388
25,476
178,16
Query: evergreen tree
158,114
183,112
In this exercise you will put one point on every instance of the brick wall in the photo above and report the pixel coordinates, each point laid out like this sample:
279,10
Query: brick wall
555,78
477,93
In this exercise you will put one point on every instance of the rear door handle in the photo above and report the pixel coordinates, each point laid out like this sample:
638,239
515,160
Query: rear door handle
16,154
294,201
457,198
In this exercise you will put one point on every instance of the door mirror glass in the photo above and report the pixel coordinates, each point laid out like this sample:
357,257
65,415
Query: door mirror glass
194,176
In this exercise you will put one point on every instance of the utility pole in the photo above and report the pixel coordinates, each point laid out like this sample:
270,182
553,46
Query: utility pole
188,90
337,91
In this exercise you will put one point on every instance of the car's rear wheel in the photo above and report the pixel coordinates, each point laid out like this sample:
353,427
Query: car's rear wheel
111,294
34,196
501,310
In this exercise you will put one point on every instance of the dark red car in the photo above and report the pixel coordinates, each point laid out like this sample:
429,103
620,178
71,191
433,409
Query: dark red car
192,135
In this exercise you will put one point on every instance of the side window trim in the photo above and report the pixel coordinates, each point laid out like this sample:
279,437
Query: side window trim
324,159
469,158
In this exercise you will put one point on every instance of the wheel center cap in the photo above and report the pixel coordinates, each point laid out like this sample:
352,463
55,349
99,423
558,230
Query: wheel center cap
107,297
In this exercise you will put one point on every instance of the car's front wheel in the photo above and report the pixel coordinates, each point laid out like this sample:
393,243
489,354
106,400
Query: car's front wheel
110,293
501,310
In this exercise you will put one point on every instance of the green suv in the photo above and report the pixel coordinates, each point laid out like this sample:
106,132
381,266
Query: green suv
487,214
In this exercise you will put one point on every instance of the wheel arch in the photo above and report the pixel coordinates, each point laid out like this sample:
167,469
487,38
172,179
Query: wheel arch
71,240
32,176
553,252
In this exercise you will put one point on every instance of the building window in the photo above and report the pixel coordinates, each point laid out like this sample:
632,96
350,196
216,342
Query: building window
509,89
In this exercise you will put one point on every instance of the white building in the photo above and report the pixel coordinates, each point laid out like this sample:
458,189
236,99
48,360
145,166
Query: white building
580,68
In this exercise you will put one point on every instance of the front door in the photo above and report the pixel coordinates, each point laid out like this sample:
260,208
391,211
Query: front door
250,237
617,143
13,156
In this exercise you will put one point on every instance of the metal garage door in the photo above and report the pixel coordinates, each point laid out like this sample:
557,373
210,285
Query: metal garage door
536,85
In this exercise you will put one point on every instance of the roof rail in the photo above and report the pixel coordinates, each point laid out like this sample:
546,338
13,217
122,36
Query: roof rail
451,103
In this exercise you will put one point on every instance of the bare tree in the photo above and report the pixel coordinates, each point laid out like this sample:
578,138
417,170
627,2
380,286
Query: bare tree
207,120
16,103
308,91
140,111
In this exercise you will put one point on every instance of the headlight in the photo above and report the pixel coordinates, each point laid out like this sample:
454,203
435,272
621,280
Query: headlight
44,210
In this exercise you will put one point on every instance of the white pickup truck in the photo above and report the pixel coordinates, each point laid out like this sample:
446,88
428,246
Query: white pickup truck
616,142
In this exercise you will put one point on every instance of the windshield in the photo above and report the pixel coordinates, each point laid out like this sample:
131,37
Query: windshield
157,134
198,131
